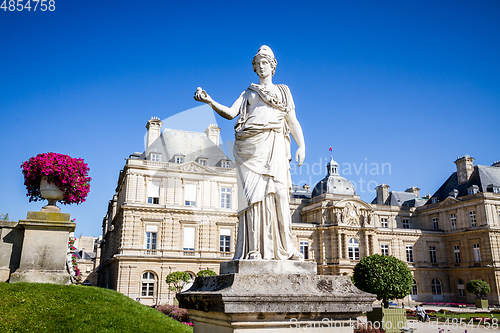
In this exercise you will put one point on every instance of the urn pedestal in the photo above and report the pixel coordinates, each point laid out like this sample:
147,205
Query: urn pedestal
43,256
52,193
273,296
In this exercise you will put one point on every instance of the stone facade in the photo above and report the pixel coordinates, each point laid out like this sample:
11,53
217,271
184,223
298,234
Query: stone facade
183,190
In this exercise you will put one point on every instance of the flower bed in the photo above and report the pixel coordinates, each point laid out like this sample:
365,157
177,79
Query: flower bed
455,305
67,173
175,312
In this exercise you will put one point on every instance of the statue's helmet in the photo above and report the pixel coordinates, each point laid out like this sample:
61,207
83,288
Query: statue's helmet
266,52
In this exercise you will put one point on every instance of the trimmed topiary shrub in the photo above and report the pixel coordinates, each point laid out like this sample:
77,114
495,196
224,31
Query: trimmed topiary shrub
478,287
386,276
206,272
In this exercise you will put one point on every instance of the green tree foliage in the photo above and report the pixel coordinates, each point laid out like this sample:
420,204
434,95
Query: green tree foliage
478,287
177,280
4,217
386,276
206,272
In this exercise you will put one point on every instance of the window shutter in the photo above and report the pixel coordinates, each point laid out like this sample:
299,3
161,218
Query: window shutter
225,232
189,237
151,228
190,192
153,189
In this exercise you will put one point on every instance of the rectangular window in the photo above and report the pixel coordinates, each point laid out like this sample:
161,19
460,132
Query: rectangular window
384,223
190,195
476,252
461,290
203,162
472,218
151,240
155,157
435,223
225,240
406,224
456,253
384,249
226,164
154,192
179,160
409,253
188,241
304,249
147,289
225,197
432,253
453,221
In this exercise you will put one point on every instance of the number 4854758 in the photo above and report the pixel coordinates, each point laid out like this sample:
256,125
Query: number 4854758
20,5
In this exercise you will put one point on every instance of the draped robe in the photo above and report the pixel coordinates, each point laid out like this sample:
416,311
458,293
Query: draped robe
262,156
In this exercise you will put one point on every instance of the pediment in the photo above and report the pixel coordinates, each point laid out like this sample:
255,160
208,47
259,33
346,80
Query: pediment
353,202
194,167
449,201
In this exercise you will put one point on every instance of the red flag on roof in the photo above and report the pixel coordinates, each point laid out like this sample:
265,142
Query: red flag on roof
330,148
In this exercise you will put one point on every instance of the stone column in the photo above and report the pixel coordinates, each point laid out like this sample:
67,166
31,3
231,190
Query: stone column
339,243
367,245
43,256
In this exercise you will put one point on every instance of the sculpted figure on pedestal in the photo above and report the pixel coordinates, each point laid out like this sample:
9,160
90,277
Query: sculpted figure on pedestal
262,154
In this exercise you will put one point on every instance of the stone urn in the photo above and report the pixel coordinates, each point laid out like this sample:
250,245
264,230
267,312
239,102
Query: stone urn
52,193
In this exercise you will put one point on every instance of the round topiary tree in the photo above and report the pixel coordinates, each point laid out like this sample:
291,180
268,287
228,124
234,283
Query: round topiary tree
206,272
385,276
478,287
177,280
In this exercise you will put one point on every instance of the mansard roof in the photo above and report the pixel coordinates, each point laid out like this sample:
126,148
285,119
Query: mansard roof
482,176
190,145
406,199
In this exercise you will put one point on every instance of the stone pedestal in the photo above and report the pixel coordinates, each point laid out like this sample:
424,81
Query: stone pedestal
43,256
270,301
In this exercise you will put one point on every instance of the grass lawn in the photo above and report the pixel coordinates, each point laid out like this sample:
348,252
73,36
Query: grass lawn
39,307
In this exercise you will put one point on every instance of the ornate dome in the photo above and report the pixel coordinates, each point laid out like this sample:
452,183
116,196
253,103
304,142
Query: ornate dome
333,182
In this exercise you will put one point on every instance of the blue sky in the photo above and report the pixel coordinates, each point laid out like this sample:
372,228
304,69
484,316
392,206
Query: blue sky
408,84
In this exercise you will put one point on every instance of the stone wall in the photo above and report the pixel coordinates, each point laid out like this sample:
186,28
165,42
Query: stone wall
11,244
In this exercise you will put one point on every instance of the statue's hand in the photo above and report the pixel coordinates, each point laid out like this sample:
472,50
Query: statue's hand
300,155
201,96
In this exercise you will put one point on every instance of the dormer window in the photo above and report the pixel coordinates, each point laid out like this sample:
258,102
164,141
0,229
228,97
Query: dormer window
226,164
178,158
473,190
202,161
493,188
155,157
434,200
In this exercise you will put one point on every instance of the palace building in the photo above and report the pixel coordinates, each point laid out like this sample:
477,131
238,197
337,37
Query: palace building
175,209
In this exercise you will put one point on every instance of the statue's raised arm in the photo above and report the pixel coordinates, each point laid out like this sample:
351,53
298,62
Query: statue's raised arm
262,155
229,113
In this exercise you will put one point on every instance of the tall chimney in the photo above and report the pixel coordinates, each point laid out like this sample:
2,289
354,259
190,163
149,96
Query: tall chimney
382,193
213,132
465,167
154,130
413,189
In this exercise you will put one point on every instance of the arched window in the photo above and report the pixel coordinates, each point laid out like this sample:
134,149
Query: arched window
436,287
460,288
414,288
353,249
148,284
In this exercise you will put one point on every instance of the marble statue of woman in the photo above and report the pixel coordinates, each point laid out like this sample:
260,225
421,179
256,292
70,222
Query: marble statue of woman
262,154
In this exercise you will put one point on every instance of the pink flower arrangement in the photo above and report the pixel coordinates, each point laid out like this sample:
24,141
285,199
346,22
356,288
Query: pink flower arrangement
72,249
67,173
